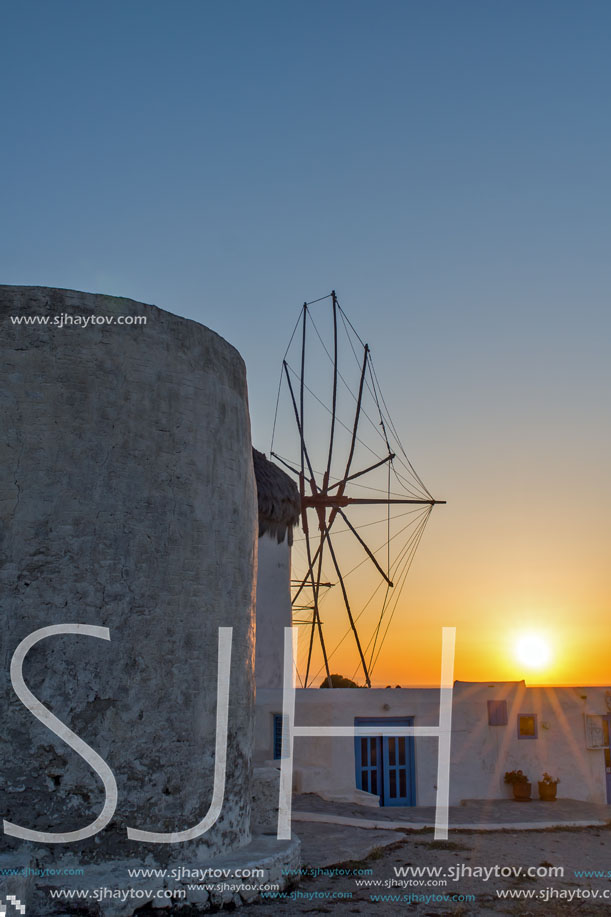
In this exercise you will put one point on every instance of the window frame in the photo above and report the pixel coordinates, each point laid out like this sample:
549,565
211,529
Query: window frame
494,706
532,716
277,732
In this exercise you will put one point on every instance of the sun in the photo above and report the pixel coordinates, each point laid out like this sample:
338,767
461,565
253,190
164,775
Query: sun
533,651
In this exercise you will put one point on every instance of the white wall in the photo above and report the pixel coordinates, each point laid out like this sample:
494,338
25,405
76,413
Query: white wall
273,611
273,614
480,753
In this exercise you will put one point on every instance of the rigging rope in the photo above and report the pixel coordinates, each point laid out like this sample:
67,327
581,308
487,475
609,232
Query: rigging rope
402,557
399,469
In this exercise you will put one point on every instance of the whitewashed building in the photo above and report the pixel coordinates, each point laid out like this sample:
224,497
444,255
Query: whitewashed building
496,726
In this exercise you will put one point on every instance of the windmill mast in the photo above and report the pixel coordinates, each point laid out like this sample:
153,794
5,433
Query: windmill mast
330,500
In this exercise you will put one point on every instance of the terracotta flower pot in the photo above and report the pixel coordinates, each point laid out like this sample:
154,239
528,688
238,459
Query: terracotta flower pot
547,791
522,791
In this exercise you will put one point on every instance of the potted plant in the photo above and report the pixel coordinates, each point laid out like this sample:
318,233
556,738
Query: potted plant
520,784
548,787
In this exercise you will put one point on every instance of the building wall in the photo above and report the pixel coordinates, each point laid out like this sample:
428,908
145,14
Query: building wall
480,753
274,611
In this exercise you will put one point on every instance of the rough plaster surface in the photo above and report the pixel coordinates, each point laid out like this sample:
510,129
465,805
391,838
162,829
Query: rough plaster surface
265,799
127,501
237,878
274,613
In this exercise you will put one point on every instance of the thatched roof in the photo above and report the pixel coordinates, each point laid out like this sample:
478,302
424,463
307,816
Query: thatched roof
278,496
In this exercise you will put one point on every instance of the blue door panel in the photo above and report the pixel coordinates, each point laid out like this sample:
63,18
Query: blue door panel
385,765
397,771
367,757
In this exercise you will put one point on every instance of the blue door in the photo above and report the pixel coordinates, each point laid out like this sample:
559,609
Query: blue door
385,764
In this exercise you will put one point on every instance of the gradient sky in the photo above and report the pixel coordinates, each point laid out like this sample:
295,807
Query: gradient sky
446,168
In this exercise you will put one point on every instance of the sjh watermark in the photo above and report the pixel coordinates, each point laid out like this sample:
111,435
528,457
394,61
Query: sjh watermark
104,772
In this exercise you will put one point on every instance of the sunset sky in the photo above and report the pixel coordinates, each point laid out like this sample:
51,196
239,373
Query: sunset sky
443,166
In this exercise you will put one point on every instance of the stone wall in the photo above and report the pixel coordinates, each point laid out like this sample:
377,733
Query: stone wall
127,501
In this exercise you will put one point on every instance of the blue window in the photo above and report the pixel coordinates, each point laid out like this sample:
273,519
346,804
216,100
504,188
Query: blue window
497,712
278,718
527,726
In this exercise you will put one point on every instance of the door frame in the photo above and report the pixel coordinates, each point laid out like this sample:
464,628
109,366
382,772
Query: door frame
382,763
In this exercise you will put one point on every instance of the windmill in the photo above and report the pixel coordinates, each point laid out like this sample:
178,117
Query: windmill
333,432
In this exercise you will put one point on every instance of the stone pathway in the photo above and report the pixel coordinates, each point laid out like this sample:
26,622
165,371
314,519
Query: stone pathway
480,815
333,882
